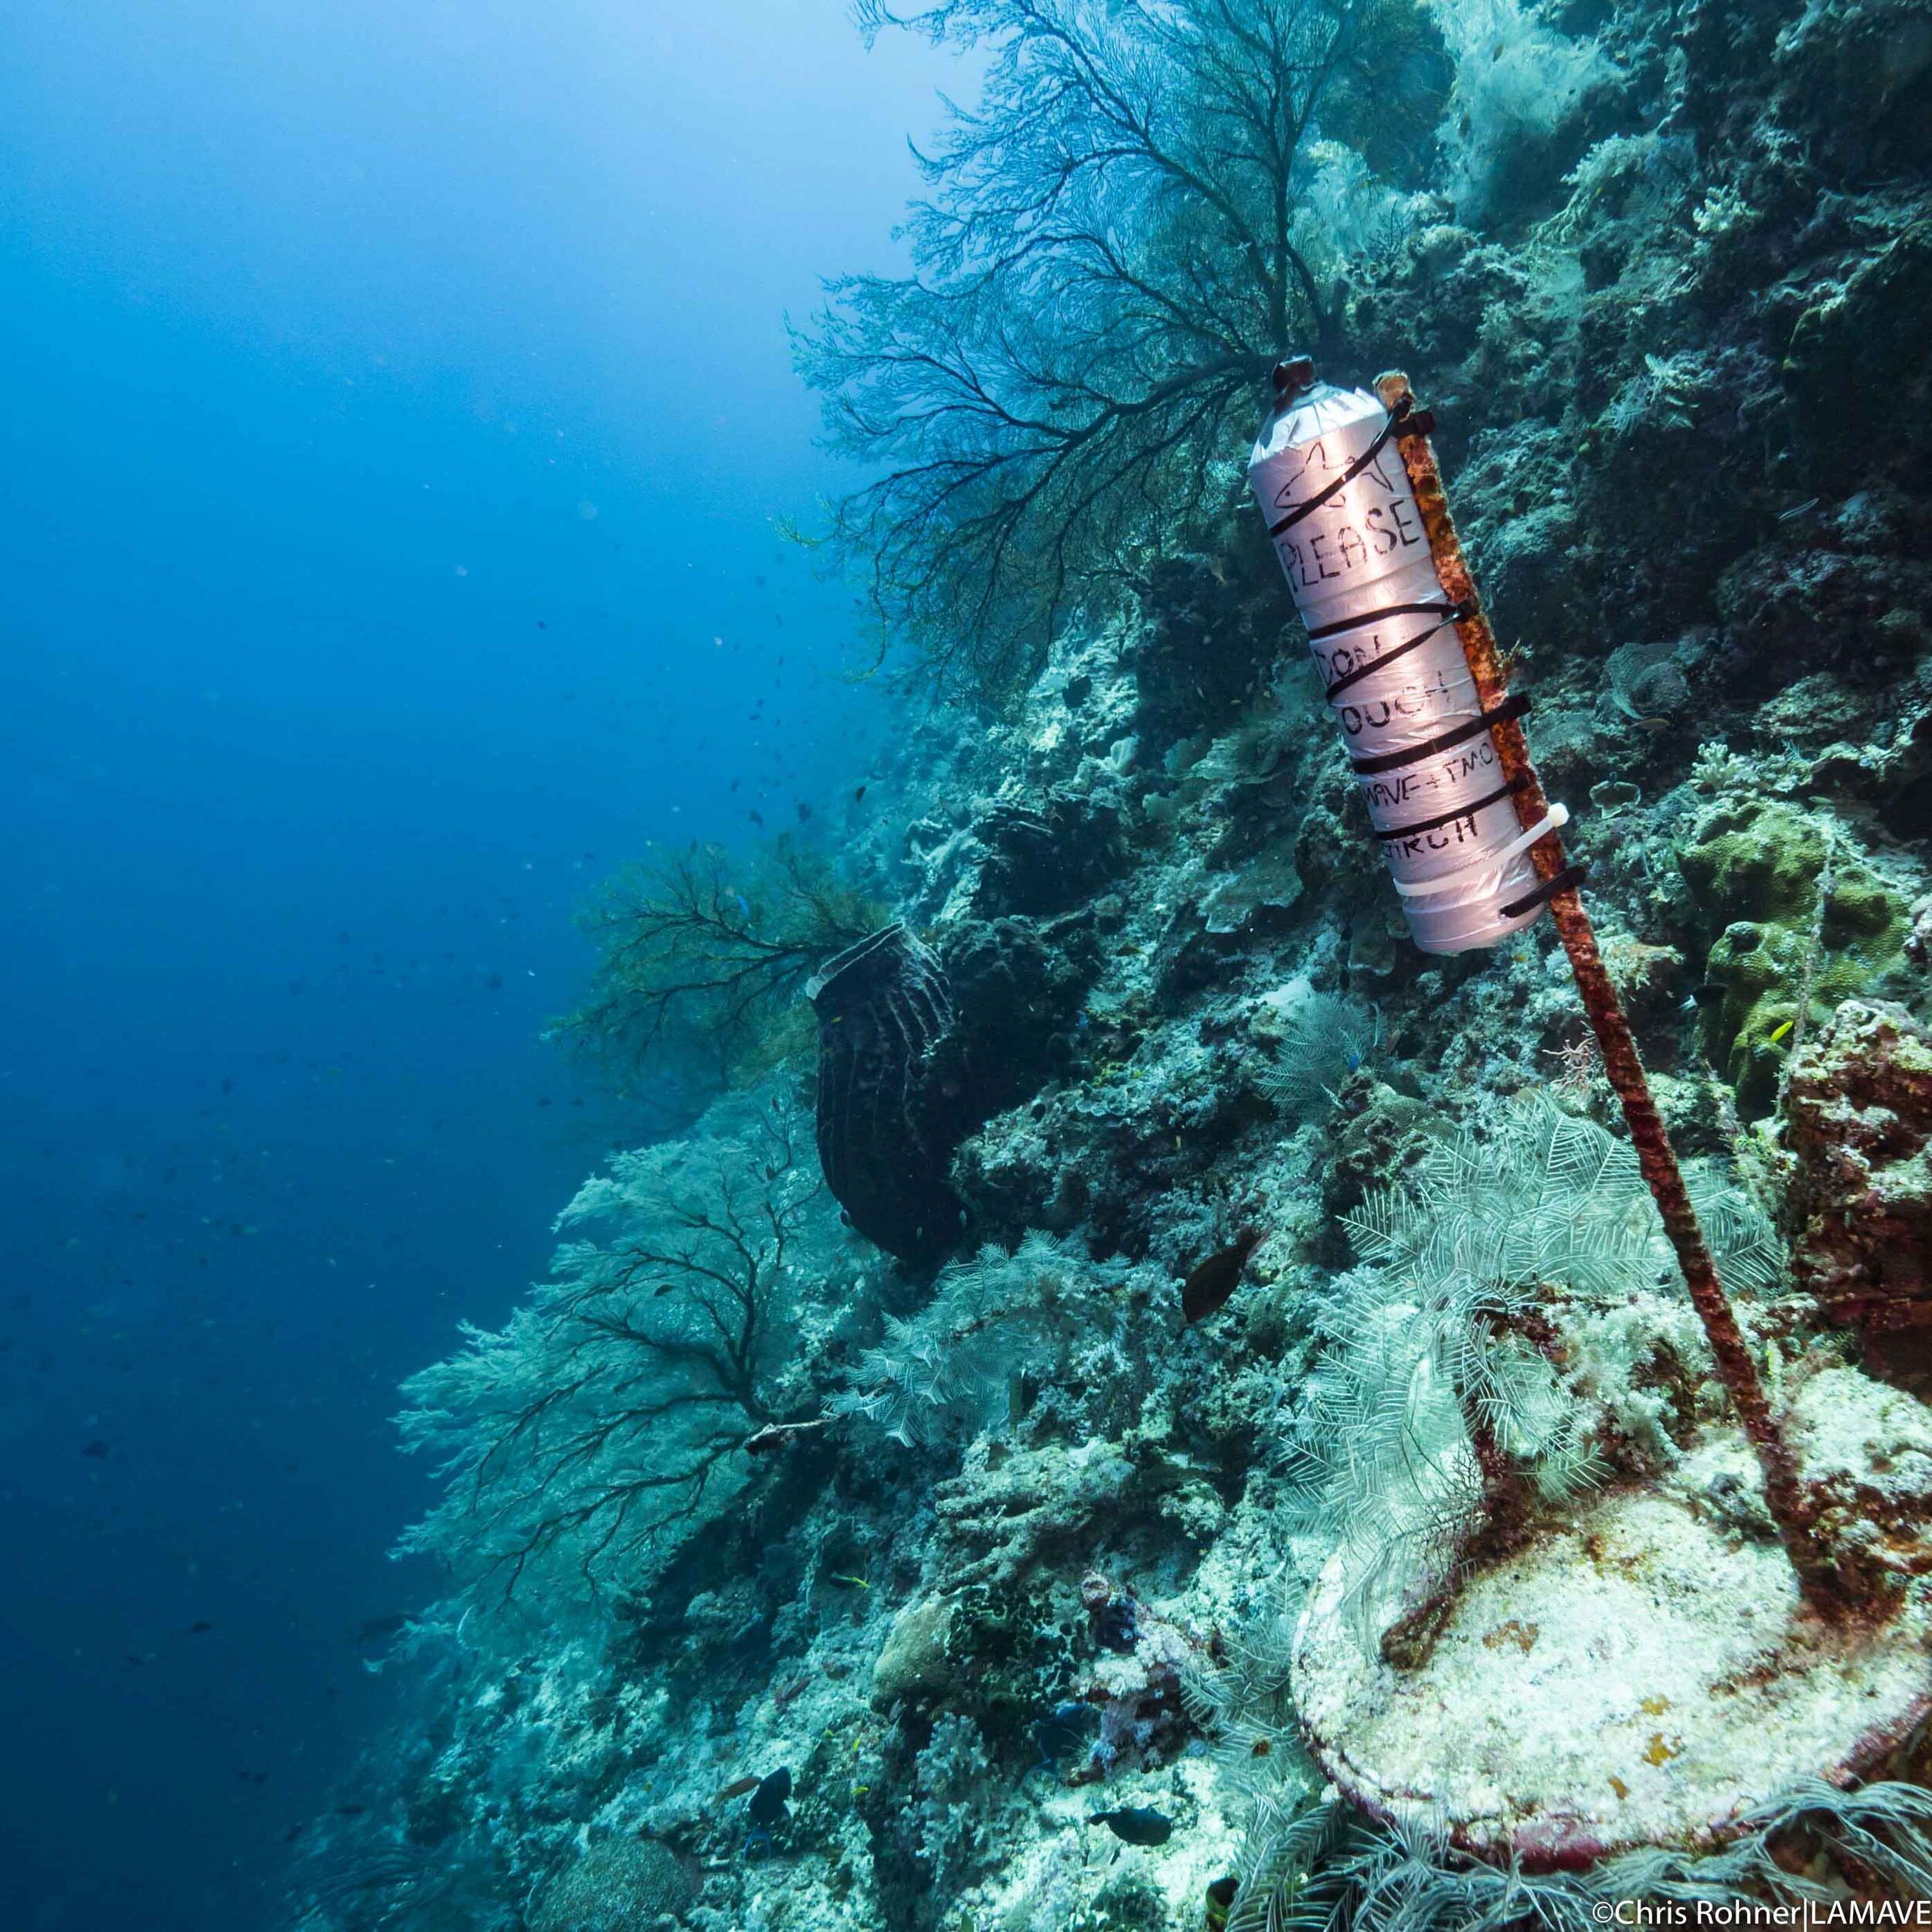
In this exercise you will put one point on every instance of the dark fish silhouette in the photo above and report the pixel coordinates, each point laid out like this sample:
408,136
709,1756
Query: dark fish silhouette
768,1801
373,1630
767,1809
1217,1277
96,1449
200,1629
1136,1825
1220,1902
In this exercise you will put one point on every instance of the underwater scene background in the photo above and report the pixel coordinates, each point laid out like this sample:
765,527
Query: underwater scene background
668,798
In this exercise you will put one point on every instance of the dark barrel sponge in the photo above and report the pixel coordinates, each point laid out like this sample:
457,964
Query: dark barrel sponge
890,1092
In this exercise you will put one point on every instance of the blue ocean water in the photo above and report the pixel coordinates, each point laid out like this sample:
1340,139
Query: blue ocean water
400,411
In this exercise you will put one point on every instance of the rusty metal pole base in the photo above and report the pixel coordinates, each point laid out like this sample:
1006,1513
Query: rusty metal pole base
1784,1495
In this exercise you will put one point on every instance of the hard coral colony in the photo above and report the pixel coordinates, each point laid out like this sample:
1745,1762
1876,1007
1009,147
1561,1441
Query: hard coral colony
1238,1441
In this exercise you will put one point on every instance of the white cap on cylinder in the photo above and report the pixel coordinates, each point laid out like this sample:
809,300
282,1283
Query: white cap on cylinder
1330,482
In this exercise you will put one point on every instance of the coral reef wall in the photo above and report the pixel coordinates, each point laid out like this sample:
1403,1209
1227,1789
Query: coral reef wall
1013,1527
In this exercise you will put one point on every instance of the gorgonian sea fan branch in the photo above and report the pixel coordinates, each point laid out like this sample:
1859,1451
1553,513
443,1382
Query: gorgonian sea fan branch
612,1408
1110,255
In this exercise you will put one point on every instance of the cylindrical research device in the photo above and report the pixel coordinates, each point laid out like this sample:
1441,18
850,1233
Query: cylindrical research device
1329,479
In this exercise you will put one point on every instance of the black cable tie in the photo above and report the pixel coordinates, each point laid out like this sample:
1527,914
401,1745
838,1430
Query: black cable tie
1401,650
1510,707
1415,422
1330,491
1455,612
1570,875
1517,783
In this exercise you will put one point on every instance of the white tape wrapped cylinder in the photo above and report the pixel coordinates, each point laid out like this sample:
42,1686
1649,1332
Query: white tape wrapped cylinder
1330,481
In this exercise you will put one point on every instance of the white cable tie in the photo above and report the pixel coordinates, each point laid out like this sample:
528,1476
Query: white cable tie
1557,816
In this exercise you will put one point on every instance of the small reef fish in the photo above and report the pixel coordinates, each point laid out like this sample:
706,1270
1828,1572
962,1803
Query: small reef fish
769,1800
1117,1627
1136,1825
1112,1616
1208,1288
768,1807
736,1788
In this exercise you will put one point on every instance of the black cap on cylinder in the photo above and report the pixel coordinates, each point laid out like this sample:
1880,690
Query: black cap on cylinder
1292,377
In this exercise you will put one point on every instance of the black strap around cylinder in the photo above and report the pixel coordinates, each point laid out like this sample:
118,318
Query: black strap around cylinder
1449,613
1560,881
1456,612
1449,817
1510,707
1329,491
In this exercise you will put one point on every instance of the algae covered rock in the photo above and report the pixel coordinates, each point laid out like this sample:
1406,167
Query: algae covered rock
622,1885
1796,915
914,1661
1046,860
1267,888
1206,640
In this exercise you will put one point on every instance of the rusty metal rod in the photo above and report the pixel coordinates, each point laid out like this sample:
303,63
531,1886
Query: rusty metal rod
1785,1495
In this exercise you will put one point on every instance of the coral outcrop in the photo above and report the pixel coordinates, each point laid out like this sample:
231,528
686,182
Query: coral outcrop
618,1886
1859,1112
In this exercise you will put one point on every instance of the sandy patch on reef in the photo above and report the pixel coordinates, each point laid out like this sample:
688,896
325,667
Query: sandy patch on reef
1646,1676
